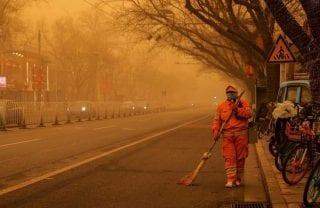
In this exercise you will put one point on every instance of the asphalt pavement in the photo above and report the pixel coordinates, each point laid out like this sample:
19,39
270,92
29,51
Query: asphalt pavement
127,162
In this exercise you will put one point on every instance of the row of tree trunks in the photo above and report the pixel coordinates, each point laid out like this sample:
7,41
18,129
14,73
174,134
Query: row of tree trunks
314,70
308,44
269,92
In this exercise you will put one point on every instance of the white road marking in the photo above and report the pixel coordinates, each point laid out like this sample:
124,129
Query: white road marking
52,149
22,142
104,127
86,161
129,129
8,160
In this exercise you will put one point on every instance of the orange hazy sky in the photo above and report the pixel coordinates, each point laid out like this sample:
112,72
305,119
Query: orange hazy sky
54,9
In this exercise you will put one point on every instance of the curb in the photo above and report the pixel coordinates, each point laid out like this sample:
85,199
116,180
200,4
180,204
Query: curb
272,187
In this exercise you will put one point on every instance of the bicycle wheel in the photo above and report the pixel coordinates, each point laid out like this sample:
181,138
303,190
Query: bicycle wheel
278,162
260,132
296,165
284,151
279,158
273,149
270,130
311,193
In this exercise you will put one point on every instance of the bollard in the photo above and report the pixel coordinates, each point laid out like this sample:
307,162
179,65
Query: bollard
98,114
68,119
2,124
56,121
80,119
41,122
23,124
89,118
105,114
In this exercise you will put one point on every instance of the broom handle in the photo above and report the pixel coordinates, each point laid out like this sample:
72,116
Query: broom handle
224,123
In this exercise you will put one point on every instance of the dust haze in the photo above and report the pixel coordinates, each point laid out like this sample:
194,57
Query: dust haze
85,55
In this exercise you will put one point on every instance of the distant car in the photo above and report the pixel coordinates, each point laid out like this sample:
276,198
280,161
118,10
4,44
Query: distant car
128,105
78,108
297,91
11,112
142,106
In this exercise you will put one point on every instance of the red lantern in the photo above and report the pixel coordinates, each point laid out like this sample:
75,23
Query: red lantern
248,70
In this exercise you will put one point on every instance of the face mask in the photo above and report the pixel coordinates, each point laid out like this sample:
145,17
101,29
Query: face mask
232,96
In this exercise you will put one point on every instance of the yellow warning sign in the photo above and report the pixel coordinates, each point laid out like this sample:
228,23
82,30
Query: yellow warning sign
281,52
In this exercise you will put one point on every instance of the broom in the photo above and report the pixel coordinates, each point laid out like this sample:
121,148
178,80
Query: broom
188,179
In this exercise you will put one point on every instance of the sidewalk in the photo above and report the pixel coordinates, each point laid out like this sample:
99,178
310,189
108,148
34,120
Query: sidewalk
254,190
281,195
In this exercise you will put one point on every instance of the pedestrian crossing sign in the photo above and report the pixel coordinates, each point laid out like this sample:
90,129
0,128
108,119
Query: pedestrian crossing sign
281,52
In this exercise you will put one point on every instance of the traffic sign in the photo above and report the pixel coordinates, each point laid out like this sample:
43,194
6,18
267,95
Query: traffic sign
281,52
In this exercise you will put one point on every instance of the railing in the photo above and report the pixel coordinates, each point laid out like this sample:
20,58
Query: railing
22,114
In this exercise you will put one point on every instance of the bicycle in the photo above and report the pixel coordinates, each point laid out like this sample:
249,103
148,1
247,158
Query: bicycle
311,193
266,125
305,155
280,146
300,160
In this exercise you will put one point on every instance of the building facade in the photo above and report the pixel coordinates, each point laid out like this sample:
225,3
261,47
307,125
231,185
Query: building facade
24,76
292,71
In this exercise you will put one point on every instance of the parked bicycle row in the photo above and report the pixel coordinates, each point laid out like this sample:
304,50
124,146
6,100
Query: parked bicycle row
294,141
292,127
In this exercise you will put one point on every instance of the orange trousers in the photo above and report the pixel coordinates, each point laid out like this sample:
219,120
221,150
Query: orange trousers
235,150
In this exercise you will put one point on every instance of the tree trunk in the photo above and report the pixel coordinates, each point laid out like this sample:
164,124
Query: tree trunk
269,92
307,45
314,71
273,81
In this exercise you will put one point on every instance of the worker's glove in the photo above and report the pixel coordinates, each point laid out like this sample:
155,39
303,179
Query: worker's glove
236,107
206,156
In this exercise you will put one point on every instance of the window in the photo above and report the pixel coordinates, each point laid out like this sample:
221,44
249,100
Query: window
305,95
292,93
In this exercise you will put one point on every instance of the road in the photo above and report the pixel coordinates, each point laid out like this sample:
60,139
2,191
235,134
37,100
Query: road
128,162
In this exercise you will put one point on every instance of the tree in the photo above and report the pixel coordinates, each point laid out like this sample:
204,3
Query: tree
226,35
307,41
11,25
88,56
82,54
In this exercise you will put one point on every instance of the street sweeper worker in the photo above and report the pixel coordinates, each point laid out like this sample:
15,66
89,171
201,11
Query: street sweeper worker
234,135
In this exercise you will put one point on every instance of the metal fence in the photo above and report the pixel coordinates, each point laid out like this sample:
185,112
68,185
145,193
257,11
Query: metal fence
22,114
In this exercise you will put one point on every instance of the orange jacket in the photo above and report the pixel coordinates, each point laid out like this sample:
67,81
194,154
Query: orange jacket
238,121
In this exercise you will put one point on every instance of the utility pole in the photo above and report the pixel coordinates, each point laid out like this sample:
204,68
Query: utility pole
1,57
39,94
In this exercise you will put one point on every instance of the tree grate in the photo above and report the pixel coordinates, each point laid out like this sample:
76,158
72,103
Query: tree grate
248,205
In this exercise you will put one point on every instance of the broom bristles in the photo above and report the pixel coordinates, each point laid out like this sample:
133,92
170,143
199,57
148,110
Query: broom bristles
187,180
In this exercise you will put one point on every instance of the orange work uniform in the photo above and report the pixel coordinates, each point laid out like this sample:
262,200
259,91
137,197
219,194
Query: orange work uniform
235,136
